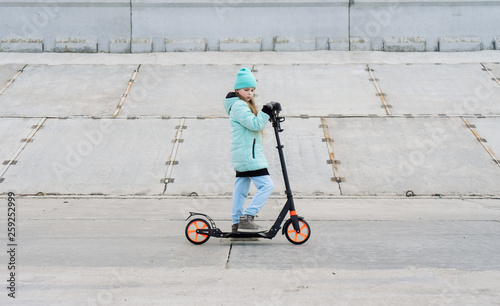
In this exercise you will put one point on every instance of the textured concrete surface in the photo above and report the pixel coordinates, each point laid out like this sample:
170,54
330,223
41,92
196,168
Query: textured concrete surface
95,157
427,156
319,90
379,128
438,89
58,91
75,251
180,90
120,148
7,72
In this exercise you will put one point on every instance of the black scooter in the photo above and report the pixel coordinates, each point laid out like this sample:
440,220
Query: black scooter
201,227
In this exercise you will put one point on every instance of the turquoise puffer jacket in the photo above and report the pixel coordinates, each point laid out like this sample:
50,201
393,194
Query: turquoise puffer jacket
246,140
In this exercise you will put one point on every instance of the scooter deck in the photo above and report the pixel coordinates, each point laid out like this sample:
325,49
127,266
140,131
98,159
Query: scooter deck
216,232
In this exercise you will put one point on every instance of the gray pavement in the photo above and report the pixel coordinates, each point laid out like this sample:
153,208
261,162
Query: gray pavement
107,154
98,251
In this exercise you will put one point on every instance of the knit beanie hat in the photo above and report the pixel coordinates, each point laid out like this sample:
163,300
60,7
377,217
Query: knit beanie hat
245,79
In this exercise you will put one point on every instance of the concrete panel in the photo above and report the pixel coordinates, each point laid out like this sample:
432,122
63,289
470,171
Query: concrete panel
7,72
73,19
357,245
205,162
338,44
294,44
182,90
142,45
76,45
84,156
12,130
402,19
240,44
425,155
318,90
120,45
488,129
161,243
66,90
306,158
407,44
185,44
438,89
30,45
459,44
215,20
360,43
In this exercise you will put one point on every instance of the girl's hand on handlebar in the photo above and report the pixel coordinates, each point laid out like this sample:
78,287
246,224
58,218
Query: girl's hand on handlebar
271,108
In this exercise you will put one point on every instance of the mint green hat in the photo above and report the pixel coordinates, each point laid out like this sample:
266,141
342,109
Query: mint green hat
245,79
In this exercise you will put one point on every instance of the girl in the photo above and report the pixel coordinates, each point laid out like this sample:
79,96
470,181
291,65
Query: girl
247,156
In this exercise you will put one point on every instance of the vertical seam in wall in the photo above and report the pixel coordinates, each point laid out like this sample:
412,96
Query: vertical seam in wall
131,27
349,22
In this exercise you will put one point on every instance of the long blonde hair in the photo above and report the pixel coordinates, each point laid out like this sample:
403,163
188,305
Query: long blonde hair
250,103
252,106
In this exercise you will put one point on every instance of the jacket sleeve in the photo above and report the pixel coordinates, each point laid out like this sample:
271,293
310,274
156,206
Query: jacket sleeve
245,117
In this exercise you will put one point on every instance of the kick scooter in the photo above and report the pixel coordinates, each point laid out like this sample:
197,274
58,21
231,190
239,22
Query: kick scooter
201,227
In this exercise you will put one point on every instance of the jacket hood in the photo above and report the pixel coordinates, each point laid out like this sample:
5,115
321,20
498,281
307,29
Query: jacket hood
228,102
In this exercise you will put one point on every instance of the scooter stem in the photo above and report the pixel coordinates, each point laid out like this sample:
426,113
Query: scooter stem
276,120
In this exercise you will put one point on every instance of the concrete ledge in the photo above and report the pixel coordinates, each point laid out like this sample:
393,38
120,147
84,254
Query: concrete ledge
322,43
294,44
459,44
360,44
186,44
25,45
142,45
338,44
78,45
404,44
240,44
119,45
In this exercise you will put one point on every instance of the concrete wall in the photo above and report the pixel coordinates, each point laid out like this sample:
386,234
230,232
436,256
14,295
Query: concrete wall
123,26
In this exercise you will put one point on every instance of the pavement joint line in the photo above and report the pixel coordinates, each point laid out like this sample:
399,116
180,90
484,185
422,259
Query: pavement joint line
228,257
12,79
493,77
325,57
481,141
127,91
171,159
380,93
336,177
25,142
362,116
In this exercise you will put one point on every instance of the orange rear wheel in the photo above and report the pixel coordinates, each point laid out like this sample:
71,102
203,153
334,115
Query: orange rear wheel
191,229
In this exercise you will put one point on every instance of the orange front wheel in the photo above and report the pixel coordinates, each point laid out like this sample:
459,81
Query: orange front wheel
292,235
191,231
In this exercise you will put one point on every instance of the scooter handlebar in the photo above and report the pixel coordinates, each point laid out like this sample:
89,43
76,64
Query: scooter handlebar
275,118
275,108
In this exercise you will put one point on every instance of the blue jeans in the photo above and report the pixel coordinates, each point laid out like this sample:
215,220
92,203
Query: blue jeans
264,186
